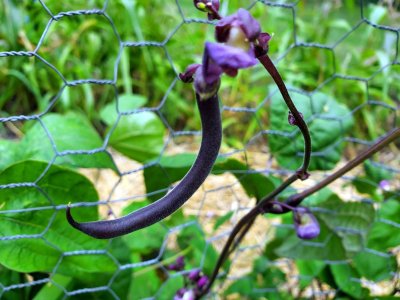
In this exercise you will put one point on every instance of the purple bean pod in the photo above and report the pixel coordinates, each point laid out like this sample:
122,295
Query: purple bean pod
165,206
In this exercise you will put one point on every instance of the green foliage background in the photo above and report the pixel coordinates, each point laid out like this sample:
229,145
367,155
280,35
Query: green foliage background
104,84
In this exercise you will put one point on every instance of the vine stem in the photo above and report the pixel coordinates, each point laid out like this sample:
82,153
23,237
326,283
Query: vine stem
266,206
296,199
266,61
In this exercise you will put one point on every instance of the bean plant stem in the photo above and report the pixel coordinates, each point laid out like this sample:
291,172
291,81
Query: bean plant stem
270,67
266,206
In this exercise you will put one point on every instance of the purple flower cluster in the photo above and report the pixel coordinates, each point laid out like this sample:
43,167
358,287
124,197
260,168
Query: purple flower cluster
195,281
238,36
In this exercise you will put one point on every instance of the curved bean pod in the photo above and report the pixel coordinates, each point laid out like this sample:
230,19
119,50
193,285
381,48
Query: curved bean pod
165,206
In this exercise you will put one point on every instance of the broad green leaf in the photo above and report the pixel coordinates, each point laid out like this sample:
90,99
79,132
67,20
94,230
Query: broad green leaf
348,280
375,266
265,280
193,238
308,270
351,221
144,284
54,291
139,136
344,228
126,103
255,184
328,122
58,186
221,220
327,246
71,131
169,288
9,153
376,173
385,231
366,186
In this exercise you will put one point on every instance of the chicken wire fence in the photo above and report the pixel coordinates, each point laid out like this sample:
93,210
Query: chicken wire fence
52,60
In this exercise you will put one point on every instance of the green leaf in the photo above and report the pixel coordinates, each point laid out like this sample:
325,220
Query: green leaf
71,131
348,280
351,221
376,173
243,286
308,270
384,233
328,122
126,103
169,288
54,291
375,266
344,228
221,220
9,153
34,253
145,284
255,184
139,136
202,252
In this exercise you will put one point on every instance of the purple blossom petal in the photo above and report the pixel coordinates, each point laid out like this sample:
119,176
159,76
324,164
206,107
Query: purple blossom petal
230,57
306,224
242,19
187,76
202,281
194,275
178,265
384,185
249,25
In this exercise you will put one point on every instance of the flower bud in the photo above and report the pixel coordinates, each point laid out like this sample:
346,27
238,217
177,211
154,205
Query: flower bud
202,282
187,76
306,224
178,265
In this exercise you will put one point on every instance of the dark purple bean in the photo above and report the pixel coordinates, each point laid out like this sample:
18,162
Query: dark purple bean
162,208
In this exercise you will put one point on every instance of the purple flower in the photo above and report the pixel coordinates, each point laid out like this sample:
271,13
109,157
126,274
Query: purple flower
203,280
306,224
194,275
238,29
178,265
184,294
384,185
229,59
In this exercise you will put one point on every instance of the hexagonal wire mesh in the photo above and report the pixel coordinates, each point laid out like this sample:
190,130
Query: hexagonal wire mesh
123,58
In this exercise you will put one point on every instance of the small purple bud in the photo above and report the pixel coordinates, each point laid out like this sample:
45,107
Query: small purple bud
292,119
194,275
384,185
203,280
306,224
187,76
209,6
178,265
262,44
